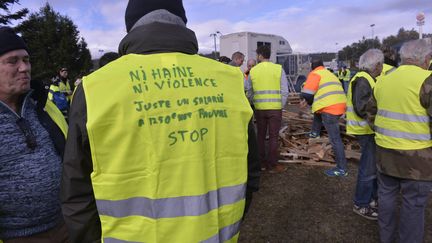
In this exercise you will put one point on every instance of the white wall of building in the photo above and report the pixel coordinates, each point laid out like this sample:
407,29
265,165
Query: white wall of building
247,43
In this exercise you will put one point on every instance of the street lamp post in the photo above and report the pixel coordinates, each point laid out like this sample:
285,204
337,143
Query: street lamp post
372,29
214,38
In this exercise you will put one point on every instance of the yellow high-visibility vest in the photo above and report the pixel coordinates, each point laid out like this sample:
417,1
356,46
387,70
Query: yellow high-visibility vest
347,76
169,148
402,122
56,116
266,83
354,124
387,69
330,91
340,75
61,87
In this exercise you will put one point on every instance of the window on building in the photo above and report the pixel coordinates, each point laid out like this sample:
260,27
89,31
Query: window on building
262,43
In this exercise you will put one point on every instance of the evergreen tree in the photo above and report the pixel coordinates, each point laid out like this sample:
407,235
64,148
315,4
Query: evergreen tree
54,42
402,36
353,52
5,14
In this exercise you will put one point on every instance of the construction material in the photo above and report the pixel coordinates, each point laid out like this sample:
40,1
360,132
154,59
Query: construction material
297,148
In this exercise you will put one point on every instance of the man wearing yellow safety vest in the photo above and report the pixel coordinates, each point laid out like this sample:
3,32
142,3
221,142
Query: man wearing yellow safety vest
404,146
60,91
267,87
346,76
359,93
164,158
324,92
32,139
340,75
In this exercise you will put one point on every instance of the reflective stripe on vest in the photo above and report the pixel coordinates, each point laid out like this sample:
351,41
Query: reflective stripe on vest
405,135
171,207
330,91
329,83
169,152
328,94
355,124
266,78
362,124
401,121
267,92
403,117
113,240
223,235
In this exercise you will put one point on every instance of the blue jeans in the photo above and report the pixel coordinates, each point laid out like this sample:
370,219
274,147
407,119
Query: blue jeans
345,86
331,124
366,188
415,195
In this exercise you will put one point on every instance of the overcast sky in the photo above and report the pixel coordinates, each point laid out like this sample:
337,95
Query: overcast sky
309,26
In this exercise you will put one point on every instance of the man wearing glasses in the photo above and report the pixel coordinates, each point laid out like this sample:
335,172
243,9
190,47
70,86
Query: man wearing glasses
32,138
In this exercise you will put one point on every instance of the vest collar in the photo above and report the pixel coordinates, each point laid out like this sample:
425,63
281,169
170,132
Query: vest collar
366,73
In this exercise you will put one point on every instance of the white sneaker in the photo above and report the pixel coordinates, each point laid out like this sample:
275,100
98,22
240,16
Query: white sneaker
374,204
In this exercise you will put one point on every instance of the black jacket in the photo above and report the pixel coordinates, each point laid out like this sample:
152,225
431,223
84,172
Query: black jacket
40,95
361,94
78,202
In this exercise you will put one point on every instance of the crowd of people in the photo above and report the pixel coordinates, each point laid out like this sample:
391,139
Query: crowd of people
387,108
128,156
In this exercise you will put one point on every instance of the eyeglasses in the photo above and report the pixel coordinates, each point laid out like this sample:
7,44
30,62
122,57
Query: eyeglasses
28,133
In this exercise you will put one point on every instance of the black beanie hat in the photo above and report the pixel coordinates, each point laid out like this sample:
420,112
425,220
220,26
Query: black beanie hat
10,41
136,9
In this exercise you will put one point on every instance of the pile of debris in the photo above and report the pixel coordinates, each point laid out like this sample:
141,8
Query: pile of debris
297,148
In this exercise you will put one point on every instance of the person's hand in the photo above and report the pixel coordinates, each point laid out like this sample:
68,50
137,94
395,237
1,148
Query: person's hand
303,104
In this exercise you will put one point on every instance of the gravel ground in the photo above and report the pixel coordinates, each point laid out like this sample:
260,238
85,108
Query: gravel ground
304,205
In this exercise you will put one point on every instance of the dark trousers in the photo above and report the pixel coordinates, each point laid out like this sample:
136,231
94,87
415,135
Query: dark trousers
345,86
57,234
366,188
415,195
268,120
331,124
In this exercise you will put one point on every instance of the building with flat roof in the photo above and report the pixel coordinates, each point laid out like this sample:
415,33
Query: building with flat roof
248,42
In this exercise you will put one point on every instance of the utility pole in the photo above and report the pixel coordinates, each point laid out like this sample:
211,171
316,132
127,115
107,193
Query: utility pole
214,38
373,34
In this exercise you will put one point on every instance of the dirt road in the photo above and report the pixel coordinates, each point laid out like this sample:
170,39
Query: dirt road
303,205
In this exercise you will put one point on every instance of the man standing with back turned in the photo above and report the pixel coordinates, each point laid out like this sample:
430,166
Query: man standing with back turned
404,147
268,86
165,159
